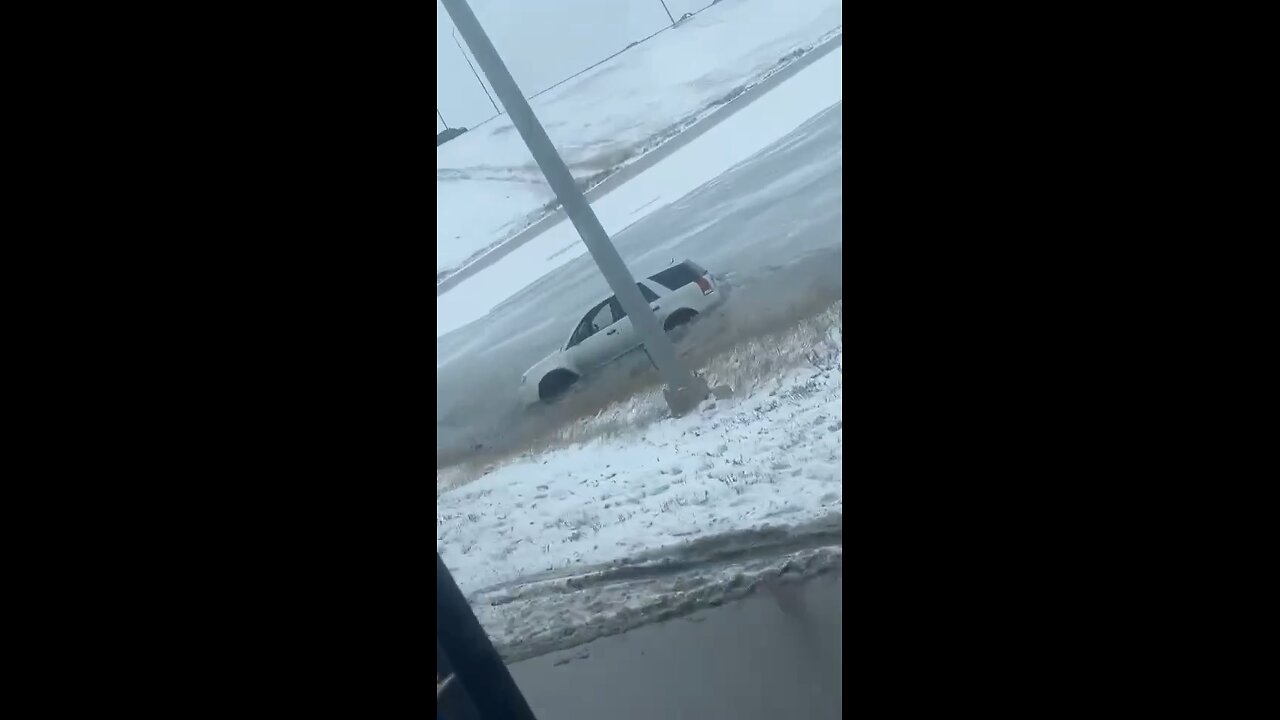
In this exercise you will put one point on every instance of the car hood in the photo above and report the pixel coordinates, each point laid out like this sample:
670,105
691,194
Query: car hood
552,361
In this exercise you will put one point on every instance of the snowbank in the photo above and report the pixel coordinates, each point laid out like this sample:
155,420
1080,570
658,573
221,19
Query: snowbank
609,116
559,613
559,547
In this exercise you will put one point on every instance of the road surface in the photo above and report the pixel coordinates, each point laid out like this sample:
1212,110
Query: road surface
766,657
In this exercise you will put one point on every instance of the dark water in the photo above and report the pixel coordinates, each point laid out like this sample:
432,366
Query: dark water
773,655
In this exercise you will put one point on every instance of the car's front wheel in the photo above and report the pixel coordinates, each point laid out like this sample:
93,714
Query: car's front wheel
555,384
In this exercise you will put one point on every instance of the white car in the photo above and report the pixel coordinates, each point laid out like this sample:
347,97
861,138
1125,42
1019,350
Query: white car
677,295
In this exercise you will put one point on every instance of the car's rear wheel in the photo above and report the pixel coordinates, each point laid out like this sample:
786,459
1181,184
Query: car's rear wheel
555,384
677,325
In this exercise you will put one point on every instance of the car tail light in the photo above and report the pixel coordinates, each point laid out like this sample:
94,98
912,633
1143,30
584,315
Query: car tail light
705,284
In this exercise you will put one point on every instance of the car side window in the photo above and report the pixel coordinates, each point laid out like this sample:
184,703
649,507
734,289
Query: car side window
619,313
677,276
596,318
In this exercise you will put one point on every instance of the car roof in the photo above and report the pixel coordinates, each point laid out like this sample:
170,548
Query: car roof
647,279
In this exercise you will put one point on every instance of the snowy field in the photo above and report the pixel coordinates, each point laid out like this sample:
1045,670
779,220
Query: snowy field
775,456
725,146
609,509
614,113
543,43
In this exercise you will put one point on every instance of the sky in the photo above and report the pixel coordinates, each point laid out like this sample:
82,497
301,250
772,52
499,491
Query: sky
541,42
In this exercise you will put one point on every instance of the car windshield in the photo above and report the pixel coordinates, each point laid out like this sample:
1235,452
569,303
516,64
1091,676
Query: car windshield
640,362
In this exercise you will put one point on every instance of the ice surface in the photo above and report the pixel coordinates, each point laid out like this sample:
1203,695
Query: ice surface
740,136
605,118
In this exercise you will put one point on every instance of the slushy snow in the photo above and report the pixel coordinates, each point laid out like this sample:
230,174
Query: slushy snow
555,549
773,457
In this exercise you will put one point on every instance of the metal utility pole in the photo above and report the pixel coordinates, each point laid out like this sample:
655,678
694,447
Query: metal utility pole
664,7
473,67
684,389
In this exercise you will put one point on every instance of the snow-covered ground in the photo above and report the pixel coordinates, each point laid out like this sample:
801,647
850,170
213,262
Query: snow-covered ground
543,43
597,514
609,116
733,141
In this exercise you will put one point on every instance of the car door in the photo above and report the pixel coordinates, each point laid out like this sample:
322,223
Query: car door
622,334
654,300
591,345
620,337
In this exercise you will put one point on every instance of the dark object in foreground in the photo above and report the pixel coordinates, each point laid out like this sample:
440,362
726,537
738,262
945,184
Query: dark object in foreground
448,134
467,654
